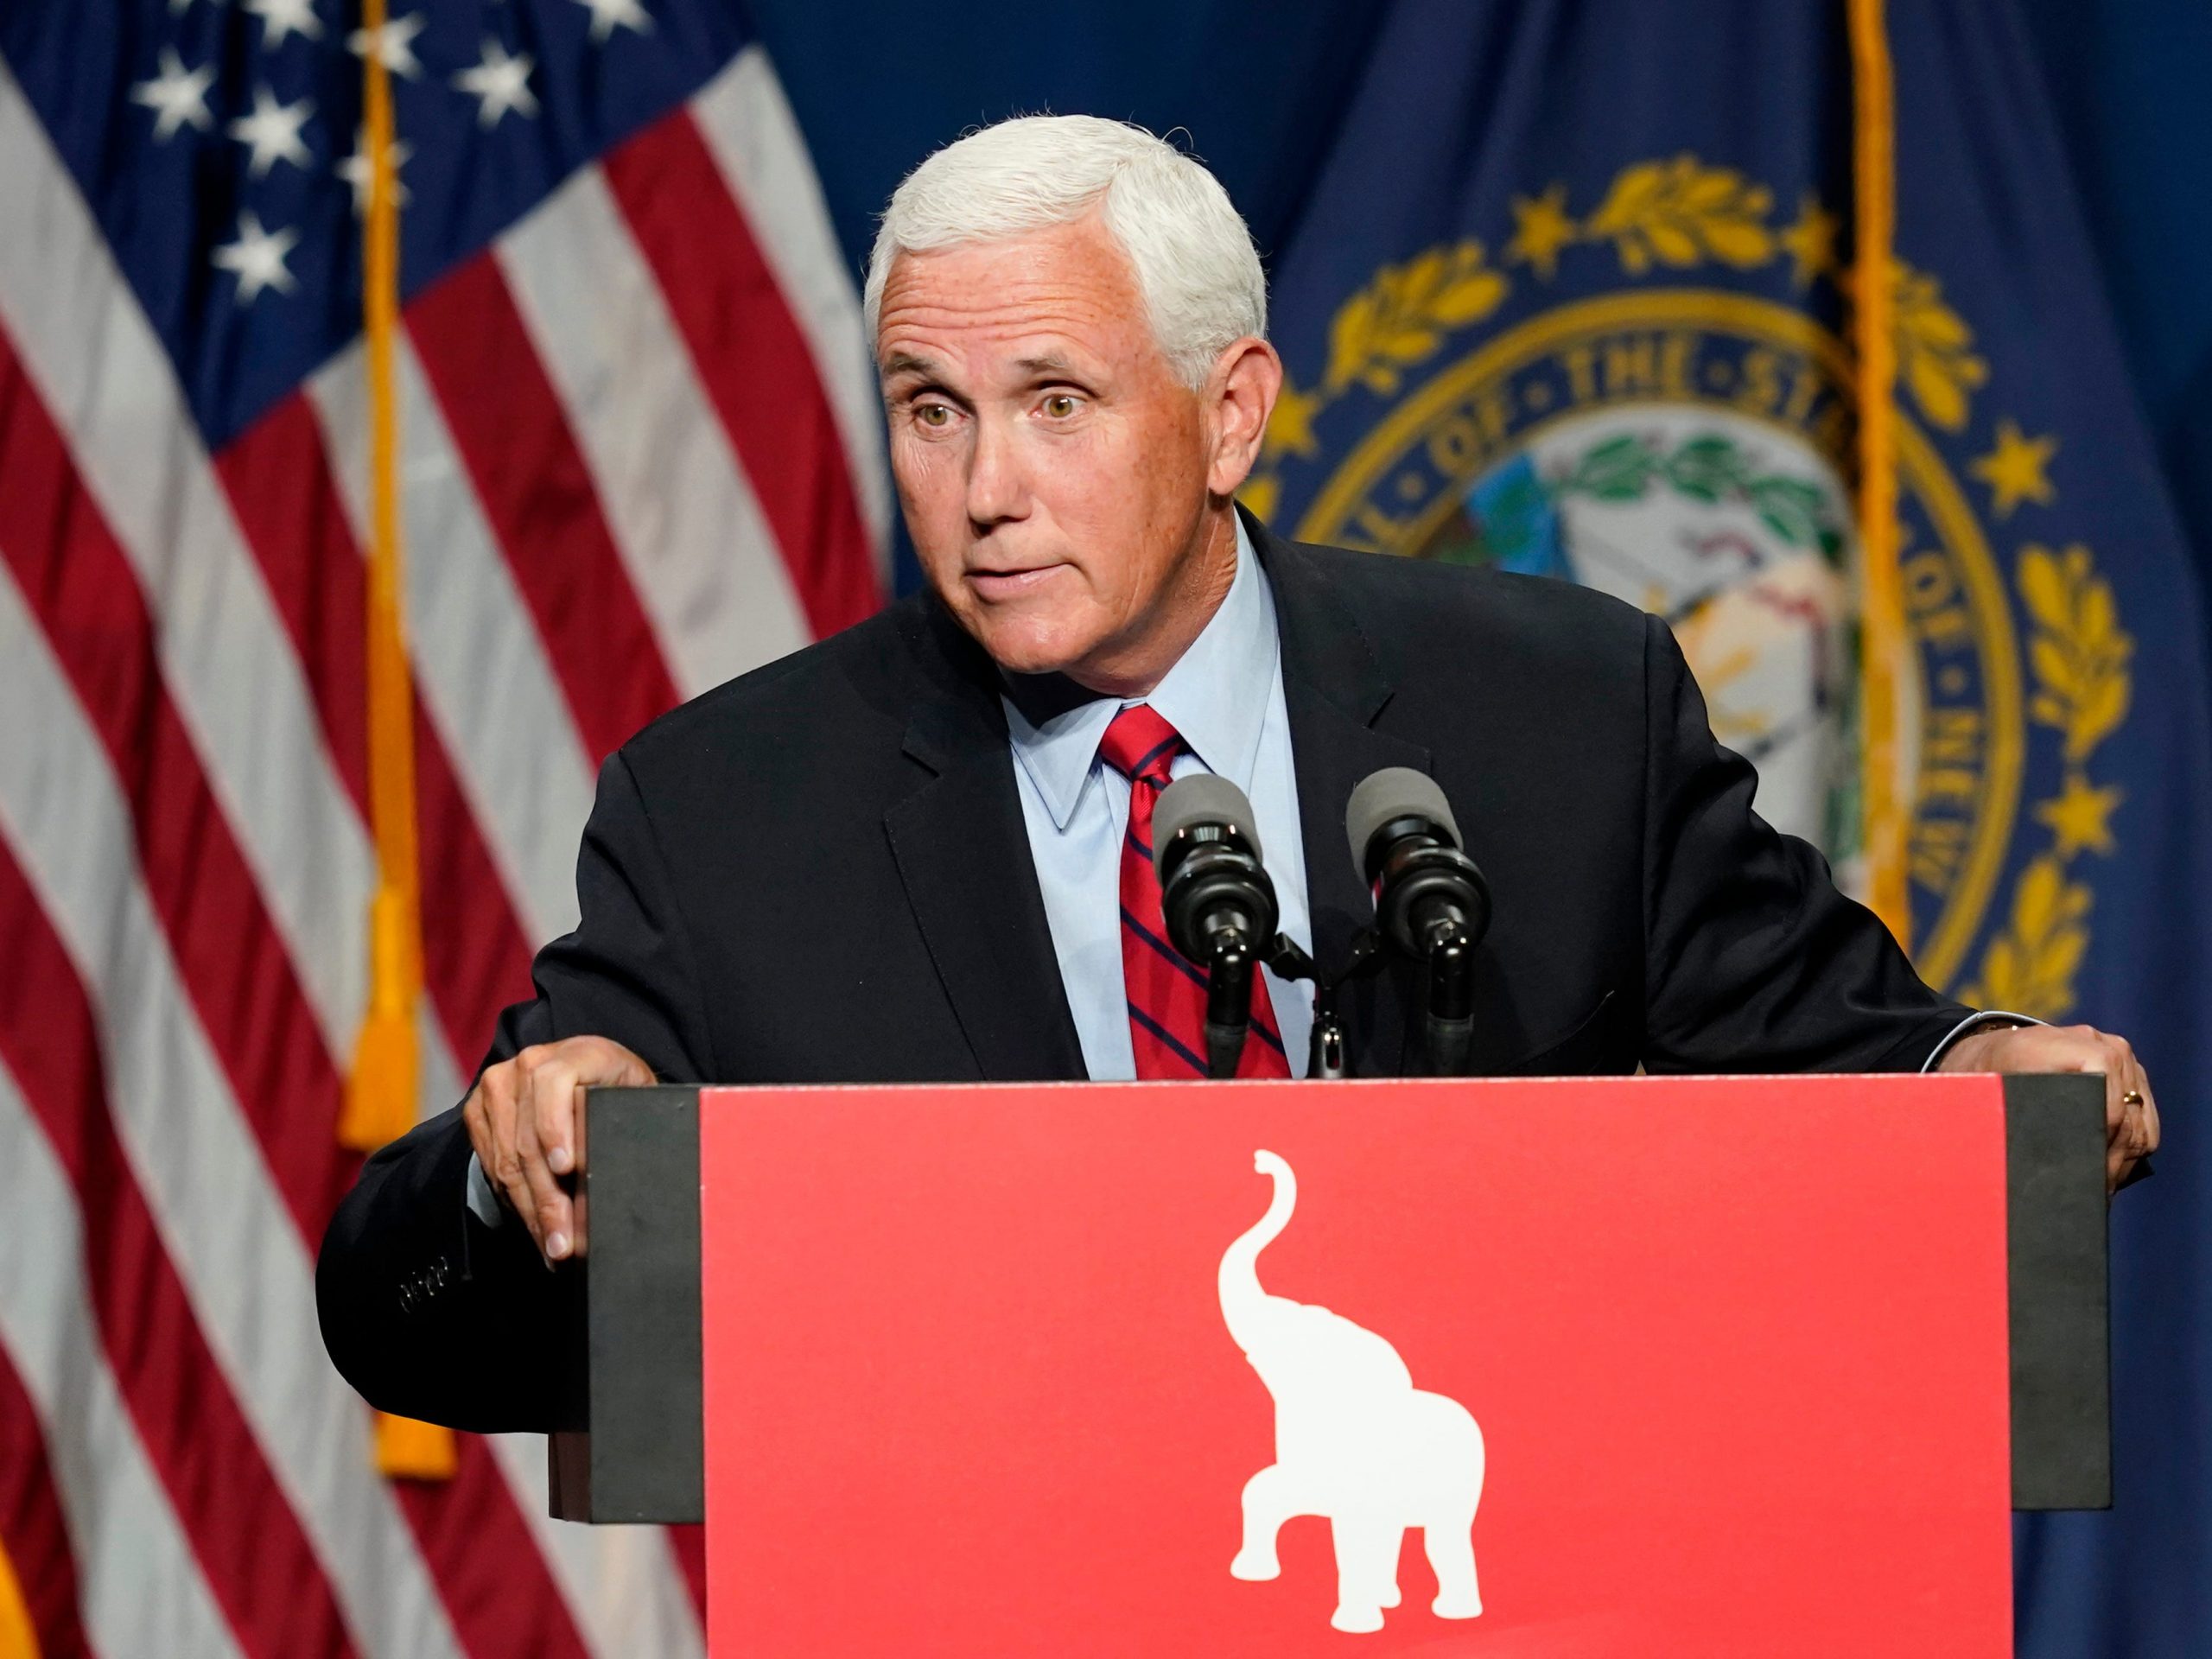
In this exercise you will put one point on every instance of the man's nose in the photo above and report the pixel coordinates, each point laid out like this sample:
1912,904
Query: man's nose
997,488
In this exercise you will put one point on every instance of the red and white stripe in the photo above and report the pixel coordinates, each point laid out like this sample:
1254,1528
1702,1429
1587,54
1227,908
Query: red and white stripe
602,515
139,1588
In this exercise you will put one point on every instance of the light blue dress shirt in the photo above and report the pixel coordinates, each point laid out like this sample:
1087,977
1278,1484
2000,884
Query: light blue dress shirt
1225,697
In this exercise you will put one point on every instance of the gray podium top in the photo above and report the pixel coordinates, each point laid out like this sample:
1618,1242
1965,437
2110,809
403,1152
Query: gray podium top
632,1449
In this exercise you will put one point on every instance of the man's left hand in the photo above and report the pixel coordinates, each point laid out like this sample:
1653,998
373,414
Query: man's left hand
2131,1115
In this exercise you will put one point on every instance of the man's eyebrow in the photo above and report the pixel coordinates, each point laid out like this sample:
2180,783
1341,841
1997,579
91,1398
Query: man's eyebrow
907,363
1049,363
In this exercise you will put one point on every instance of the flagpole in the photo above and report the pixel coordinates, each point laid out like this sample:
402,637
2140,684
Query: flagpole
382,1091
1884,812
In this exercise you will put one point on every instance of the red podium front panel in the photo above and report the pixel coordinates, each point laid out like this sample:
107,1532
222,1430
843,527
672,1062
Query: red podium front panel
1636,1367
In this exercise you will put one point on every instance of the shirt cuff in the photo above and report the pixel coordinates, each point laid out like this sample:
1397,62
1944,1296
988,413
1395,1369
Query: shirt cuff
484,1203
1966,1027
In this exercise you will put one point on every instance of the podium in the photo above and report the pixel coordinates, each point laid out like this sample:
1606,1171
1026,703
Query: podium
1588,1366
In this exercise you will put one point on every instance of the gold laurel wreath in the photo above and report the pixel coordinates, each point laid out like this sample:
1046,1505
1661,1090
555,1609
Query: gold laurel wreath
1933,346
1397,321
2081,653
1682,213
2030,968
1402,317
2080,657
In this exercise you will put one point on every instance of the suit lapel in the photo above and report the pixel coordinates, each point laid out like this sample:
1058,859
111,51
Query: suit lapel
963,853
1336,685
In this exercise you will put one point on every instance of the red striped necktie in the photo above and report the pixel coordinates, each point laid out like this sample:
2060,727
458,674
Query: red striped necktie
1168,994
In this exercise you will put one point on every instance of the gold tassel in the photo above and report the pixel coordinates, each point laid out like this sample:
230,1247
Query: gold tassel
18,1638
380,1096
408,1450
382,1092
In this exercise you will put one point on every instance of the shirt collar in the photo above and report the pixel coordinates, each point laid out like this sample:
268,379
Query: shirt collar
1216,696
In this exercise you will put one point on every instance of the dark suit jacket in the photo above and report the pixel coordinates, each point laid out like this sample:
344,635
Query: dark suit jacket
818,874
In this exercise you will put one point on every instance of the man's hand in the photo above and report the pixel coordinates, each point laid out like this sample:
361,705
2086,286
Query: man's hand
2131,1115
525,1122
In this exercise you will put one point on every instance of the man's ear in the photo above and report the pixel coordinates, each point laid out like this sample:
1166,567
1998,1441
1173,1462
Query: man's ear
1240,395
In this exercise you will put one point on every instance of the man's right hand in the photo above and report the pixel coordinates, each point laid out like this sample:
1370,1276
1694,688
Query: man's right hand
525,1120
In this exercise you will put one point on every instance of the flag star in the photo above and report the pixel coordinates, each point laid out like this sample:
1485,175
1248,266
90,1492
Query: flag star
177,96
608,15
2017,470
1541,227
256,258
1810,242
1291,426
355,169
501,83
2081,816
281,19
272,131
393,43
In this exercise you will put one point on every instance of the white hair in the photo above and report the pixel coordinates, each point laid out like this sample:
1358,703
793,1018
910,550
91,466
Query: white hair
1193,258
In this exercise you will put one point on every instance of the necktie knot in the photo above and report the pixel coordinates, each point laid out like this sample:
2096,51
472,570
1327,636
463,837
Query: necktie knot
1142,746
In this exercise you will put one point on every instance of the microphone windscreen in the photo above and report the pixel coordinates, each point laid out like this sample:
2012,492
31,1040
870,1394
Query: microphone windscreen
1199,799
1395,792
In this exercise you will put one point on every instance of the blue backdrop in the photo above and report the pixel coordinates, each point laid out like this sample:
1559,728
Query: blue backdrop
2128,85
2053,159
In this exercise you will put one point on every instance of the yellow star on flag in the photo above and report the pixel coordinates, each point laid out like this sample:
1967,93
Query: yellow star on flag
2080,817
1542,227
1291,426
1811,241
2014,470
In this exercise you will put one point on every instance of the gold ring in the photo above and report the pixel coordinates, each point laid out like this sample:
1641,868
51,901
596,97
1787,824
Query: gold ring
2132,1097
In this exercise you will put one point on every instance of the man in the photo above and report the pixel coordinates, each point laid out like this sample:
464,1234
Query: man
915,851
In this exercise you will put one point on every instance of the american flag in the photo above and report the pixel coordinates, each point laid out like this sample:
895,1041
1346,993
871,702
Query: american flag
639,454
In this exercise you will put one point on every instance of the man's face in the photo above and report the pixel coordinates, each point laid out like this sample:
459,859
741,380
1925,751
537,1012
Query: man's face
1053,470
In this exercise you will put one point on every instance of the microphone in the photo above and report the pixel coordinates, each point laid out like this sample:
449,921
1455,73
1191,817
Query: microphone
1220,905
1430,900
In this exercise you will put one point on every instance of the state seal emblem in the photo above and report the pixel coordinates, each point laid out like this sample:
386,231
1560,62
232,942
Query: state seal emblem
1681,440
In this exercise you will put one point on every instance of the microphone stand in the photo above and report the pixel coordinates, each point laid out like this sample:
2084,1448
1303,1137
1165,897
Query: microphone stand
1449,1026
1326,1056
1229,1003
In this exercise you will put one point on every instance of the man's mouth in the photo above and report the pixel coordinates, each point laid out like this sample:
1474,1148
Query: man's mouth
1010,583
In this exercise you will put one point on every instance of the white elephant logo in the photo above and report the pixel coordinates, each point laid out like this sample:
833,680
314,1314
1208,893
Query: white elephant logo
1355,1441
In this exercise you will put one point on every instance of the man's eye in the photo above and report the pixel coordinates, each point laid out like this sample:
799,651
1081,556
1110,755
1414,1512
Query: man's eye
1061,405
933,415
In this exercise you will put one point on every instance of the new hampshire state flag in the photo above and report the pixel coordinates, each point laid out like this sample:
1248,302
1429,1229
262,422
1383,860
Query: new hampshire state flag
1575,293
